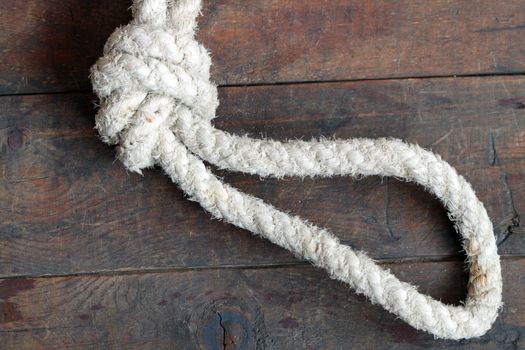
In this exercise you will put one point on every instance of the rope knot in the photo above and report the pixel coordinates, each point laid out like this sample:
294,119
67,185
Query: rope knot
152,70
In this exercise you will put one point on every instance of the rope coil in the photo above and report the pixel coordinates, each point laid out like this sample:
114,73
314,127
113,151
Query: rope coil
157,103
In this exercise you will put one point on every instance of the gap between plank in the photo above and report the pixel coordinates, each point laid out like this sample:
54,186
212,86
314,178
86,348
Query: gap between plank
301,82
298,264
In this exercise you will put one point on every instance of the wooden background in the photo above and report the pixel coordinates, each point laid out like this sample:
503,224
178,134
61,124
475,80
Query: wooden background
92,257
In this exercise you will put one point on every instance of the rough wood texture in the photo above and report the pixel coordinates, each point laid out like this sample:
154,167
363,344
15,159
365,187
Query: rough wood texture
135,265
280,308
49,45
69,208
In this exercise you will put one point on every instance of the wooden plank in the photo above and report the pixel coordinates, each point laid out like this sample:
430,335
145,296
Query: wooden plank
285,308
49,45
67,207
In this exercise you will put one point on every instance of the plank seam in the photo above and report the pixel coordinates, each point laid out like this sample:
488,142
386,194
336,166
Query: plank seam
297,264
302,82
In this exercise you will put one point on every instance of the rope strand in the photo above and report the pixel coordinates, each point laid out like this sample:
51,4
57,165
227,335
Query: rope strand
157,103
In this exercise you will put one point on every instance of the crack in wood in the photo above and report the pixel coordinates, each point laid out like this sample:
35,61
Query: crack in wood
515,219
224,331
499,29
387,215
493,155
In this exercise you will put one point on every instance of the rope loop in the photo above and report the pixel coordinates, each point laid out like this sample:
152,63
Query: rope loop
157,103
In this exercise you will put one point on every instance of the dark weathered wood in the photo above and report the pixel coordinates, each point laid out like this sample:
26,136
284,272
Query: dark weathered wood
49,45
137,266
284,308
67,207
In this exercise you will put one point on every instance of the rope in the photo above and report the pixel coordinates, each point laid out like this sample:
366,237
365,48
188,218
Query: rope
157,103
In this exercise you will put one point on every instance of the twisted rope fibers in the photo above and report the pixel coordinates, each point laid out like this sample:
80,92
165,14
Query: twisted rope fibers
157,103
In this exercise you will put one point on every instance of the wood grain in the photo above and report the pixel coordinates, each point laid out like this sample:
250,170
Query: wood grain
284,308
92,257
68,207
49,45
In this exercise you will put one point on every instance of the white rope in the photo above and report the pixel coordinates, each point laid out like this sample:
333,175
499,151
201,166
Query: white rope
157,103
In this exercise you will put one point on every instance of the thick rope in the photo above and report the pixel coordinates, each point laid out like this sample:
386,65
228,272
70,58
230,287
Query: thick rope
157,103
